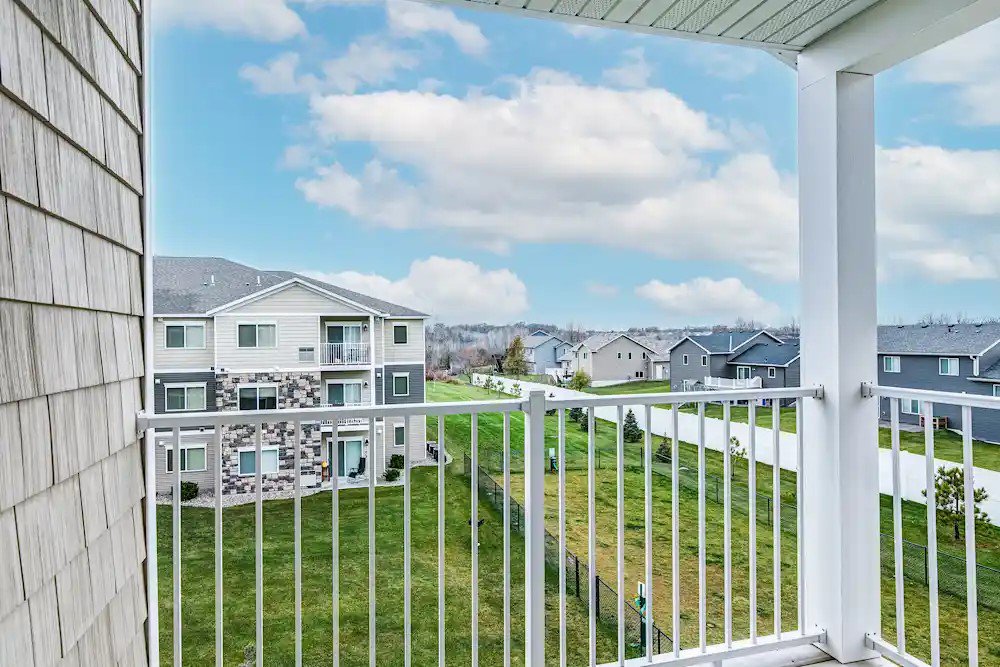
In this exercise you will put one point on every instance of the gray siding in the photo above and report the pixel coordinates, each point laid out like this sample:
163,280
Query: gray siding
793,374
921,372
379,375
694,370
547,355
416,373
163,379
205,479
72,528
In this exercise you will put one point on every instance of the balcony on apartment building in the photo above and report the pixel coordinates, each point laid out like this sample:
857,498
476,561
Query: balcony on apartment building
345,343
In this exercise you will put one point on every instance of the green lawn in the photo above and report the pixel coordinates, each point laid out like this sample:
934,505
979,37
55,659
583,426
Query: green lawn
490,434
642,387
198,581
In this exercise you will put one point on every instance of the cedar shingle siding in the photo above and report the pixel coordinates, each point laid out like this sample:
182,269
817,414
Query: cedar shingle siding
72,540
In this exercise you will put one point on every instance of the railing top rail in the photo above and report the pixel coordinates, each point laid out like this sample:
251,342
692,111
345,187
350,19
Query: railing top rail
680,397
229,418
945,397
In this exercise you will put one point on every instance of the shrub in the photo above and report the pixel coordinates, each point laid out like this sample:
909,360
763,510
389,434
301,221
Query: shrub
396,461
579,381
392,474
189,490
576,414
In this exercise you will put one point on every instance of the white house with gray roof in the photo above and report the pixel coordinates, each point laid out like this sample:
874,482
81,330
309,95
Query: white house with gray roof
232,337
609,358
963,358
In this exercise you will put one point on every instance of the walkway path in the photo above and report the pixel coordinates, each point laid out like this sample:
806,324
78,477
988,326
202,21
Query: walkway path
911,465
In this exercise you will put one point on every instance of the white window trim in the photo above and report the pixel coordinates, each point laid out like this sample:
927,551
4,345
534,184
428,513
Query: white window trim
897,366
396,429
258,346
684,359
239,460
326,389
352,323
996,390
258,387
184,447
952,361
186,325
312,359
905,404
185,386
747,374
406,327
772,372
396,375
704,361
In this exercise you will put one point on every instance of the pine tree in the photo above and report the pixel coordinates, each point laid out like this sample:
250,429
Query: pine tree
949,492
630,428
515,363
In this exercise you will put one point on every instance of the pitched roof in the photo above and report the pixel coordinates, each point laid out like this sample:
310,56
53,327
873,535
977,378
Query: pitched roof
722,342
184,285
991,373
599,340
971,339
767,352
539,337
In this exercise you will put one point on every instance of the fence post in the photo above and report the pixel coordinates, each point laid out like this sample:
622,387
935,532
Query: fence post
534,534
597,597
576,562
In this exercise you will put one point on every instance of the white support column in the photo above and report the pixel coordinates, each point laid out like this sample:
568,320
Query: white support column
534,534
839,328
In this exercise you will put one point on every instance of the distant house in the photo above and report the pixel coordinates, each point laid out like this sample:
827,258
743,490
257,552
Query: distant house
609,358
956,358
543,351
734,360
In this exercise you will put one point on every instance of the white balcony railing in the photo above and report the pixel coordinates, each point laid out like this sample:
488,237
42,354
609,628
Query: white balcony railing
731,383
932,574
347,421
661,612
345,354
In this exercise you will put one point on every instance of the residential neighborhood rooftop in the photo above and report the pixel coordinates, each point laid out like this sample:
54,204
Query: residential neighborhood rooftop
599,340
768,352
197,285
966,339
722,342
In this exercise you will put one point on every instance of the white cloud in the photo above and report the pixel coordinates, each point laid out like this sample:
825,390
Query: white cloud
544,163
724,62
633,73
368,61
296,157
601,289
413,19
449,289
269,20
584,31
970,64
706,300
947,265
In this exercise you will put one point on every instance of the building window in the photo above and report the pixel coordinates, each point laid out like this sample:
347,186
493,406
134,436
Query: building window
639,374
400,384
996,391
772,372
684,360
344,393
584,355
190,336
948,366
629,355
744,372
193,458
704,360
258,335
181,397
619,355
399,433
263,397
910,406
248,460
307,354
890,364
400,334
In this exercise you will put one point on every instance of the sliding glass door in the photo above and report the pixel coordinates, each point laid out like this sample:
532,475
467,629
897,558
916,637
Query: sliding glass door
349,452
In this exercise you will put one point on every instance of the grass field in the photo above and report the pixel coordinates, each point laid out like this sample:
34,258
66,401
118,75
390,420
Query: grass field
490,433
197,541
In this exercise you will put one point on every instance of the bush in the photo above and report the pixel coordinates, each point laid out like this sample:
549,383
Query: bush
579,381
396,461
392,474
189,490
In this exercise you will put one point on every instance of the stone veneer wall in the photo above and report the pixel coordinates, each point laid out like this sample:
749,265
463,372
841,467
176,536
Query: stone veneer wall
72,529
295,390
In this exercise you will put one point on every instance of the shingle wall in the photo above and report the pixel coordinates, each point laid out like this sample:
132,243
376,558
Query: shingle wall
71,359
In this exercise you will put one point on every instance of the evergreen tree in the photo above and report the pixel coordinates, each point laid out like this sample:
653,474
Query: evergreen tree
576,414
949,490
630,428
515,363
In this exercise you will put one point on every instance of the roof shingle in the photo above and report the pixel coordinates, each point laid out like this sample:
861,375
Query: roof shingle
971,339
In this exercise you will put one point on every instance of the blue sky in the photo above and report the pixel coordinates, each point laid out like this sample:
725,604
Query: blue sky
486,167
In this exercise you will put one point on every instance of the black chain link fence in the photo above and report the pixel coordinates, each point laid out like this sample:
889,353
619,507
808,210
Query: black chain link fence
577,573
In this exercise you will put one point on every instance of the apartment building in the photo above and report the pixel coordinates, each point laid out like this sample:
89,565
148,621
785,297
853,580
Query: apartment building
232,337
